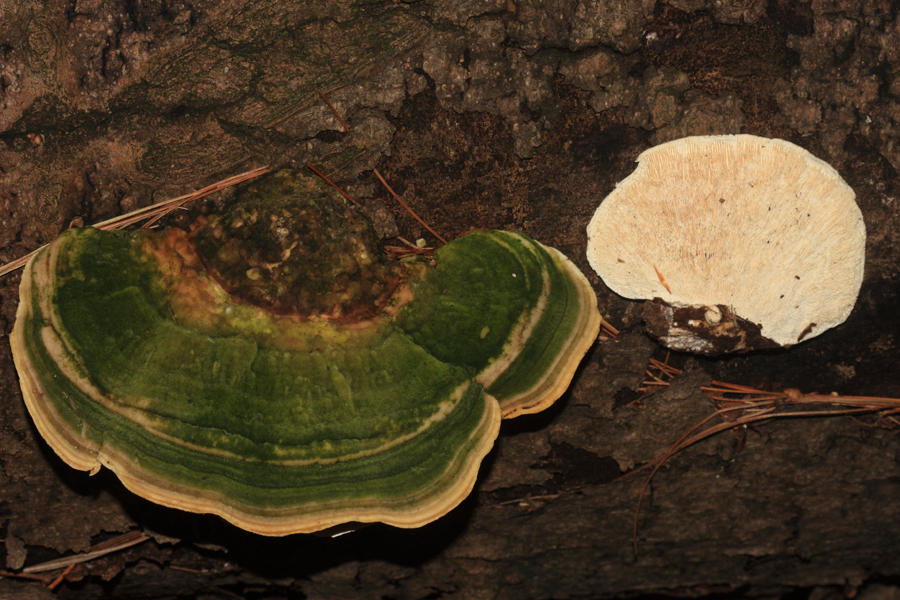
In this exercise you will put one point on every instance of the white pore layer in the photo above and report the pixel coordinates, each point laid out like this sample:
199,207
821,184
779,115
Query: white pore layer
757,224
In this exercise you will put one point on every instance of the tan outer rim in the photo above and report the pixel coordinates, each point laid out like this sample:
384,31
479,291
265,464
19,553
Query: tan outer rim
543,394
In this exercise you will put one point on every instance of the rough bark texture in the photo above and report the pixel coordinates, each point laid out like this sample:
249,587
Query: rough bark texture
512,114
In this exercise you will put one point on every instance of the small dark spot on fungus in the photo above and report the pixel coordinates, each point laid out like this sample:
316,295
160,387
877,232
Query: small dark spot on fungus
662,279
805,332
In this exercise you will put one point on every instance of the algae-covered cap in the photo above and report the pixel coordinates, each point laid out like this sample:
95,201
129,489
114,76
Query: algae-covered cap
134,354
738,241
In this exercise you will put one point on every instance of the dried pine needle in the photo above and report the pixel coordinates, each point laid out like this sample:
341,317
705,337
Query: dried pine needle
740,405
152,213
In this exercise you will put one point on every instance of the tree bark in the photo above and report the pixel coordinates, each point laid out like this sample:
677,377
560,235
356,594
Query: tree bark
518,115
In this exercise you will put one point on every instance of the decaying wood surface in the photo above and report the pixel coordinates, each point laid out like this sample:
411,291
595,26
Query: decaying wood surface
518,115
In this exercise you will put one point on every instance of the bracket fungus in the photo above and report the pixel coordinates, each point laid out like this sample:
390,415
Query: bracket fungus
319,385
737,242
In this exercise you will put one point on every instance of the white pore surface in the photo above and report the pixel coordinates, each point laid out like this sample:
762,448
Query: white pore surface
757,224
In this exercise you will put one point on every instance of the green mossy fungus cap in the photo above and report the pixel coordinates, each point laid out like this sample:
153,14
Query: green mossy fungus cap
131,355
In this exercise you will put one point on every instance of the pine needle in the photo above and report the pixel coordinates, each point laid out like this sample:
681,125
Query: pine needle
740,405
407,207
116,544
153,213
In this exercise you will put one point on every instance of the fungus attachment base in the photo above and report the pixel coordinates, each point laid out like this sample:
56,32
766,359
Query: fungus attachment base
709,330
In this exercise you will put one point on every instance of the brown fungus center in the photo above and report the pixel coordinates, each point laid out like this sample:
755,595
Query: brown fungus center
289,246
